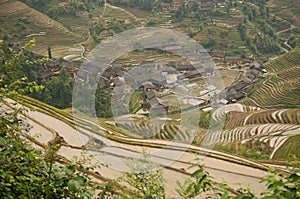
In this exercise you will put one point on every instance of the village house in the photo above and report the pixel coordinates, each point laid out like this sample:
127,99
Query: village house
166,6
207,5
187,67
192,74
146,86
220,54
103,82
151,94
152,100
49,69
158,106
232,60
233,95
52,66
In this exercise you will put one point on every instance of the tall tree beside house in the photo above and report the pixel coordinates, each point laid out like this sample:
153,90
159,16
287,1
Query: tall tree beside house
49,52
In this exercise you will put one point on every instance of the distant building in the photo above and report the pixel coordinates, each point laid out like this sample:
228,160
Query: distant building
192,74
166,6
151,94
207,5
234,95
207,109
181,67
223,101
158,106
148,86
219,54
231,60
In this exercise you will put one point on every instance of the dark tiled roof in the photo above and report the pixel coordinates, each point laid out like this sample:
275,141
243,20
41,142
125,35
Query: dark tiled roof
151,94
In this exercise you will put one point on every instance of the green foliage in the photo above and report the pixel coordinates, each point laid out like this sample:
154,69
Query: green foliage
103,103
58,90
293,41
24,171
15,68
140,4
67,8
199,183
253,149
281,185
146,180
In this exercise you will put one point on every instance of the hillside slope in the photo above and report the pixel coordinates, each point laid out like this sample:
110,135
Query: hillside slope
281,87
23,23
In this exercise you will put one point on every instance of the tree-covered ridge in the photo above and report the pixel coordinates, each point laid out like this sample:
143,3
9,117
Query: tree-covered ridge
257,27
64,8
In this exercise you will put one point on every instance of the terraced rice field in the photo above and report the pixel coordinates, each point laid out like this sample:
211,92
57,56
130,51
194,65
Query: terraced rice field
272,127
275,135
13,15
280,89
158,129
114,12
246,123
283,116
220,113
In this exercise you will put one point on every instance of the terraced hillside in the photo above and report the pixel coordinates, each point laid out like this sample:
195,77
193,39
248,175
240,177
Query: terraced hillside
26,23
273,116
273,131
281,87
115,12
287,9
158,129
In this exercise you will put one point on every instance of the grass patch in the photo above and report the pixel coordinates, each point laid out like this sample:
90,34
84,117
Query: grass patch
137,12
135,102
291,147
252,149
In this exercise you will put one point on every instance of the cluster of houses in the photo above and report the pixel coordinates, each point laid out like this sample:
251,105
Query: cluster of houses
51,68
204,5
152,98
221,55
151,79
241,88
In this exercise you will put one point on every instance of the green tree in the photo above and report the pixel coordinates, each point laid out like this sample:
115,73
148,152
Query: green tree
24,171
60,90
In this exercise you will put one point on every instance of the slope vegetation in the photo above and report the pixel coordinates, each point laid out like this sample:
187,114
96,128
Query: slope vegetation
281,87
22,22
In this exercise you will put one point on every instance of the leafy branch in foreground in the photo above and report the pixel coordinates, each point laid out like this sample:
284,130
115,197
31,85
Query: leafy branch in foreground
283,185
279,185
